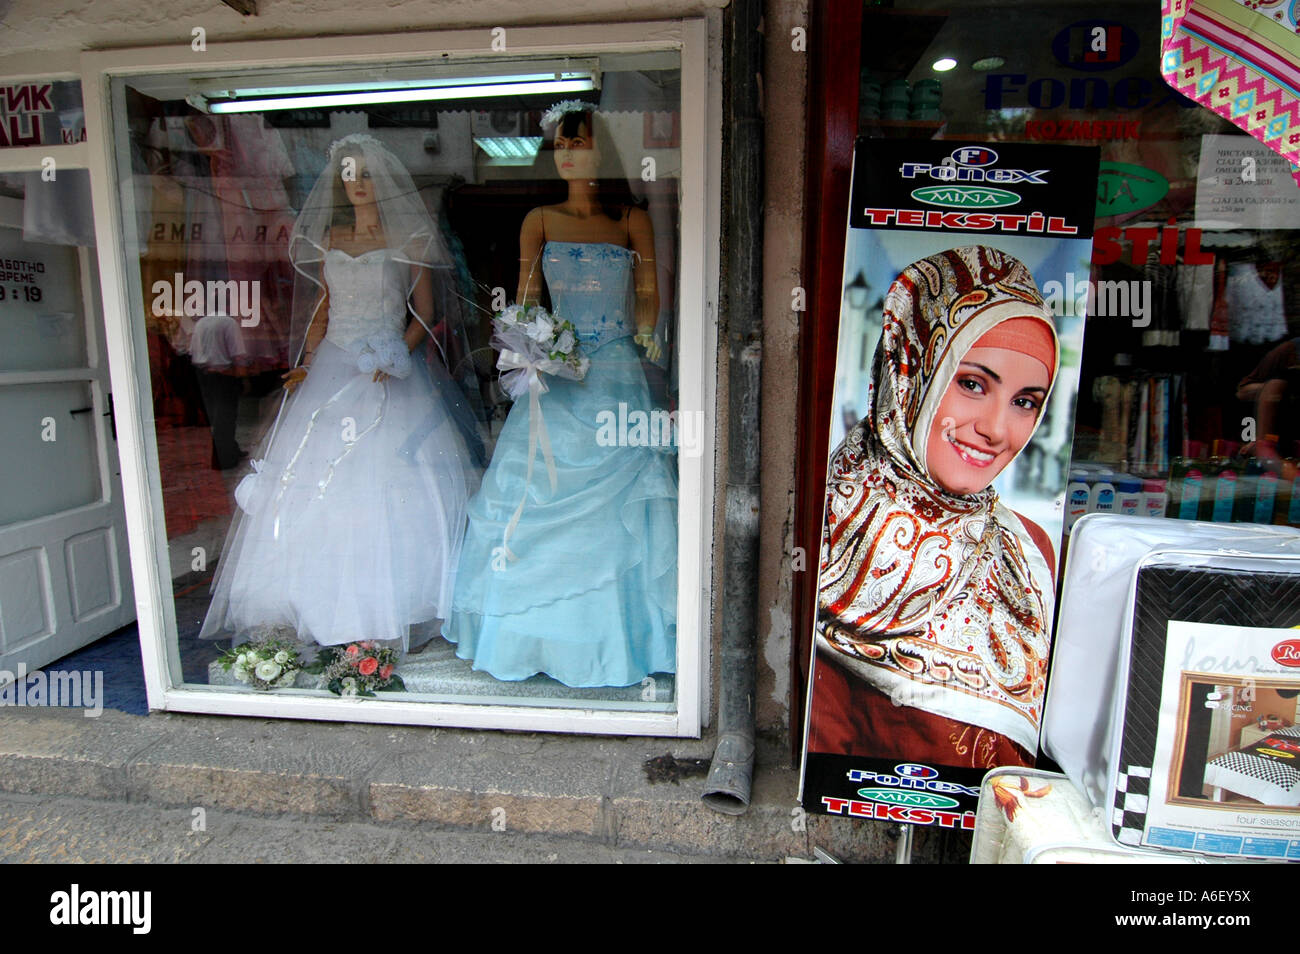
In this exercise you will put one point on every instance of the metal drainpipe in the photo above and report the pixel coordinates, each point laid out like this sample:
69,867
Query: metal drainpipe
731,773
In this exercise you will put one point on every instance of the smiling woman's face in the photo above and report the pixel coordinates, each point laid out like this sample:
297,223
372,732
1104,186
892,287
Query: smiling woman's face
985,417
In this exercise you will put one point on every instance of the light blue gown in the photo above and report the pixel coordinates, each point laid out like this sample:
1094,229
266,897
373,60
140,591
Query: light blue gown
591,598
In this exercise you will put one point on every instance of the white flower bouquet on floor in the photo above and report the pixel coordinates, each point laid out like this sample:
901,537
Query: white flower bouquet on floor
266,664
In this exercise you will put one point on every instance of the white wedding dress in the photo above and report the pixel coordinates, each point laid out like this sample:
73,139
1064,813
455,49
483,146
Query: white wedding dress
355,516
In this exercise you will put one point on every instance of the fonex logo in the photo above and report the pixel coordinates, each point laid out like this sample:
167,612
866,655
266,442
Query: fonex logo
964,197
974,156
1287,653
102,907
892,796
1095,45
913,770
970,164
912,776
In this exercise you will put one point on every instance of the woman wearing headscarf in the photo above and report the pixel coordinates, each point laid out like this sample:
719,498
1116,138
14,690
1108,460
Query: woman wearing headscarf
935,599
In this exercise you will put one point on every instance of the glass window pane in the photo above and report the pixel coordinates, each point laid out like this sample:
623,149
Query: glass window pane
1187,373
42,324
479,498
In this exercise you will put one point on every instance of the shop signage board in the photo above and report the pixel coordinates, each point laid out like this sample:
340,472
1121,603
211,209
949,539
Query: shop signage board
926,671
42,113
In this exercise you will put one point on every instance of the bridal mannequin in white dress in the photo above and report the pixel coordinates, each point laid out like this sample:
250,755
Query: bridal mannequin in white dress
353,518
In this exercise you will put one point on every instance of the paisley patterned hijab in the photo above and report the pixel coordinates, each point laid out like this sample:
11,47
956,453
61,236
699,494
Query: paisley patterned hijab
940,601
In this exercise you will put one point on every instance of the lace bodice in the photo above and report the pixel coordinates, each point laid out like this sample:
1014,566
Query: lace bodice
367,295
591,286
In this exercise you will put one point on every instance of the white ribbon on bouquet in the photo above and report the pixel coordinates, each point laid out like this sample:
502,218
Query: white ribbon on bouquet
525,374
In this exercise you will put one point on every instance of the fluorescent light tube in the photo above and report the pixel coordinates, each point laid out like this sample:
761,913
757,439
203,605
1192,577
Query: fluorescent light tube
371,97
268,92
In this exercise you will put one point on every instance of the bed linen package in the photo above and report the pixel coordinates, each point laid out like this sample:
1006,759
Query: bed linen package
1207,759
1081,715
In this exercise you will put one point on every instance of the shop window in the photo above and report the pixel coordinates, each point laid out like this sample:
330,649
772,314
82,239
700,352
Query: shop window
414,342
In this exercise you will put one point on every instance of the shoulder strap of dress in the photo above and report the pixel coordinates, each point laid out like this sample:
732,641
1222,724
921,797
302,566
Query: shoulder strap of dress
627,225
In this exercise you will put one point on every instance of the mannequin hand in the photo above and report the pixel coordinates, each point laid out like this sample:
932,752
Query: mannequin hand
647,340
293,378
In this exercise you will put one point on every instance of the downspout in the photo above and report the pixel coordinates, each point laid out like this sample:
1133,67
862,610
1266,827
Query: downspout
731,773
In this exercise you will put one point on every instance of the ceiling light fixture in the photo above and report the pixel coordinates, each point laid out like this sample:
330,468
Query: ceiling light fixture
510,150
944,65
316,98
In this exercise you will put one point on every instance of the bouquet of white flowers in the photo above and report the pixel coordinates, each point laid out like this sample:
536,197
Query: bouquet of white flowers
533,341
385,352
267,664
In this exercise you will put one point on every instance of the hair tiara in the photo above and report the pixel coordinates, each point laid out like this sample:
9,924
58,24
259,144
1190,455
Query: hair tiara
354,139
556,113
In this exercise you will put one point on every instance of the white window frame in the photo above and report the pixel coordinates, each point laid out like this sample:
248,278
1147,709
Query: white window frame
697,349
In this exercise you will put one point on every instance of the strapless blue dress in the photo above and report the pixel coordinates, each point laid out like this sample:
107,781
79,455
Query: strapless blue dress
591,598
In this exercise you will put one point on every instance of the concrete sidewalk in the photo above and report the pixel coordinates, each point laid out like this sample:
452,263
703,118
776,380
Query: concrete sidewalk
604,797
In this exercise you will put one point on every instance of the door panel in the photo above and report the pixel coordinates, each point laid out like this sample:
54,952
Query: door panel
64,570
26,603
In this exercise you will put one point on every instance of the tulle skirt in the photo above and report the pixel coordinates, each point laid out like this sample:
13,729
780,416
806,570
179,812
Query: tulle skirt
591,598
354,522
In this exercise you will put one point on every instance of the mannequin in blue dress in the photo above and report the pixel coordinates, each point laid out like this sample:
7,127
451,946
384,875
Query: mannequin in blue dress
586,589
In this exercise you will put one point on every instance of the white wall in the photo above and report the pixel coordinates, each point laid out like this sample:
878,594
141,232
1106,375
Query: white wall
31,26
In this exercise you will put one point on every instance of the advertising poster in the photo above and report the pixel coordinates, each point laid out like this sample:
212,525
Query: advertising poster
1226,775
966,286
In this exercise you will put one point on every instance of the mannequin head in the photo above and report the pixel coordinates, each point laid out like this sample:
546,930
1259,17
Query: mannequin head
576,153
353,186
585,154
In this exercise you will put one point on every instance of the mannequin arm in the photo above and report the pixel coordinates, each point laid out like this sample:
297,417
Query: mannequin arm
319,325
645,277
315,335
529,289
422,302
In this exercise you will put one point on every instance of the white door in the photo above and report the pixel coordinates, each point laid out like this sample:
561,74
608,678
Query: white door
65,576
